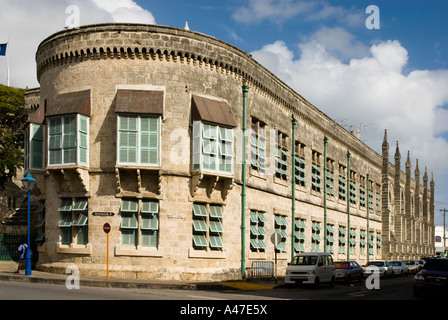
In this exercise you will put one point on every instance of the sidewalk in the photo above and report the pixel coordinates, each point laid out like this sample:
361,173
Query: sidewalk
7,274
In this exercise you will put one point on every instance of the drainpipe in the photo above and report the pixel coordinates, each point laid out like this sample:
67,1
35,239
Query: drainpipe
348,203
325,193
368,176
293,205
243,190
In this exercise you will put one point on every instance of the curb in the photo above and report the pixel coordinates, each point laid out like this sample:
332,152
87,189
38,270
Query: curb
58,279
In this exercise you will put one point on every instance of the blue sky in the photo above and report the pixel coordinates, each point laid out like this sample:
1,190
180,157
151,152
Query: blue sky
394,77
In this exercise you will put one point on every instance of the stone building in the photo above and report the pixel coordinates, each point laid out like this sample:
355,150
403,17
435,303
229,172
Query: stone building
142,127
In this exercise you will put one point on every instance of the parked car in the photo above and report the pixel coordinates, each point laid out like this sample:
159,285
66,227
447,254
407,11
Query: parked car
433,278
422,263
413,265
384,269
399,267
348,271
311,268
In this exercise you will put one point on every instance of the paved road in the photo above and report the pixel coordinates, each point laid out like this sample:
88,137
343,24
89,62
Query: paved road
398,288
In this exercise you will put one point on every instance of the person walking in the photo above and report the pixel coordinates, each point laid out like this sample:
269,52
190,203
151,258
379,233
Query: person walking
22,256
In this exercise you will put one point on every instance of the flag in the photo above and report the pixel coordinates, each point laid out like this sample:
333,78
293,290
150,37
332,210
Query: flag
3,49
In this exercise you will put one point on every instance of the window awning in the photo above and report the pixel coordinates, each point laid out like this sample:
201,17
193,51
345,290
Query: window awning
70,103
139,101
217,112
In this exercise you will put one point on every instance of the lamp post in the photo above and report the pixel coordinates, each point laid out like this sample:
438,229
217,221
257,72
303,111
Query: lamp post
28,183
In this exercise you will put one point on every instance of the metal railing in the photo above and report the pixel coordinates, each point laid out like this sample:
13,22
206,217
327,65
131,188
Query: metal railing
262,269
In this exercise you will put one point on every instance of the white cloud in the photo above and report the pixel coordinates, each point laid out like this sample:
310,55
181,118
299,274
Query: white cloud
371,90
27,23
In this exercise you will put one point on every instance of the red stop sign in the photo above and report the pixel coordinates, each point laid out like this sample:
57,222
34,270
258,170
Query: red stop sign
106,227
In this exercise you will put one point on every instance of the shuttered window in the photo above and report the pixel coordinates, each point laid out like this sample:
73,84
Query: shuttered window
140,222
68,140
74,220
212,148
139,139
207,226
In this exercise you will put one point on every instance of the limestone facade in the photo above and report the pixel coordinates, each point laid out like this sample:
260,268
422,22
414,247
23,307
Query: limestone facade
135,118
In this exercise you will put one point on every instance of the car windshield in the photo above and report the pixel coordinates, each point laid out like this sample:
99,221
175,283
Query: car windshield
410,263
341,265
395,263
436,264
304,260
376,263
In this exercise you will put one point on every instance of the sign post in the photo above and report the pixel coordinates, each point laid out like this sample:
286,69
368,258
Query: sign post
275,239
106,229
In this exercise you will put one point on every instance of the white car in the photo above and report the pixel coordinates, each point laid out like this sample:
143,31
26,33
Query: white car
399,267
311,268
382,266
413,265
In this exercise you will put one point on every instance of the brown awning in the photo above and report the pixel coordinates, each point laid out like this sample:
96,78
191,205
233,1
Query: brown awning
38,116
139,101
213,111
69,103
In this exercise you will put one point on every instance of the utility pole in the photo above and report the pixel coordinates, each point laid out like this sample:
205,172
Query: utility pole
444,231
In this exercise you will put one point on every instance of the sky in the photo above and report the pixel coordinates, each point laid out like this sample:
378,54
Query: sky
368,64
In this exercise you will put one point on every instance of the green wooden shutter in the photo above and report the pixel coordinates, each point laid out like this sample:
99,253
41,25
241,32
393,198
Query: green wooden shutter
197,145
37,146
55,141
128,132
149,140
83,140
27,148
69,139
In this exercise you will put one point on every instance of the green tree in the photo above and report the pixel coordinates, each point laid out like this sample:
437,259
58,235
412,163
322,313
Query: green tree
13,118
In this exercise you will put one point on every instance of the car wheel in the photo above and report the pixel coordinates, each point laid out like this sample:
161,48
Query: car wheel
332,282
349,280
316,283
417,292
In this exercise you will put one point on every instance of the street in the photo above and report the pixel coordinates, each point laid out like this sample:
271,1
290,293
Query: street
397,288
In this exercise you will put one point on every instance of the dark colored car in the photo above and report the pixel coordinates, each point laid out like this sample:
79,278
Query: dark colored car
348,271
433,278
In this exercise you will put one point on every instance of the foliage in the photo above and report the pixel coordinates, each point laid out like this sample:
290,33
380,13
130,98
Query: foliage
13,118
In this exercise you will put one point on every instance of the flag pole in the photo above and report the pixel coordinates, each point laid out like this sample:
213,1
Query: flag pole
7,62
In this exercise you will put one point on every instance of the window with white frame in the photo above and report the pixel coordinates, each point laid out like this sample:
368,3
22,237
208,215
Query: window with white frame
316,172
257,230
316,230
68,140
330,238
280,225
212,148
362,242
34,147
258,145
139,222
352,240
299,235
300,163
207,226
138,140
342,240
74,221
342,184
281,156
